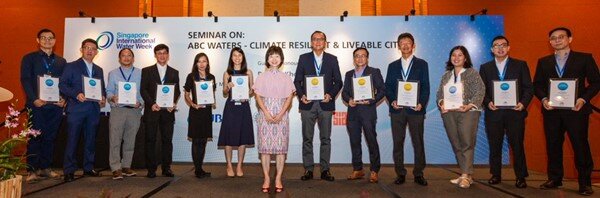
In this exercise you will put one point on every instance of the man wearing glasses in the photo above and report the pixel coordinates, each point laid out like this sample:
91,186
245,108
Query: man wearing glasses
501,119
83,113
46,116
317,63
566,64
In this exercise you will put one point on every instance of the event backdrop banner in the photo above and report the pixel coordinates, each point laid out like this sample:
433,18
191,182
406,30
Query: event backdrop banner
188,36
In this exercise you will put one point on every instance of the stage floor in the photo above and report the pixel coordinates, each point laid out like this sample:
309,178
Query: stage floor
184,184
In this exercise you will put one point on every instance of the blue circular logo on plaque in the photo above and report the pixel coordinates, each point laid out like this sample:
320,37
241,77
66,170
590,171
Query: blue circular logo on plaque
204,86
92,83
239,81
165,89
504,86
452,89
49,82
563,86
127,87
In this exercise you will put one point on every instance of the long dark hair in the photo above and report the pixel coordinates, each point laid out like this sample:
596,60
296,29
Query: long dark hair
468,63
244,68
195,71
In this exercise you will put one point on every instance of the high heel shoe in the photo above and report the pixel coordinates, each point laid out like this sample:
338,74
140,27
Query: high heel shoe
265,190
232,173
278,190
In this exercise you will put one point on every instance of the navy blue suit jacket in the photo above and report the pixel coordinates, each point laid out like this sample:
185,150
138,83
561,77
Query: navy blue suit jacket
32,66
515,70
71,85
419,72
366,111
579,65
330,70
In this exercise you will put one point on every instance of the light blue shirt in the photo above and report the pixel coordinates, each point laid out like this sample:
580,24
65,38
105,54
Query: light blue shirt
115,76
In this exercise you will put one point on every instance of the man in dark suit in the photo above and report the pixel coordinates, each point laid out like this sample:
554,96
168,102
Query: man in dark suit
565,63
157,118
362,115
82,113
408,68
509,121
46,116
318,62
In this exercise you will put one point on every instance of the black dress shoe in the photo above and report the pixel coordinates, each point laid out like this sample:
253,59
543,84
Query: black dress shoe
91,173
69,177
400,179
551,184
421,180
521,183
151,174
496,179
202,174
326,175
307,176
168,173
586,190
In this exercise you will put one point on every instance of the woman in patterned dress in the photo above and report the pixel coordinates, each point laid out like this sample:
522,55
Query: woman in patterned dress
274,92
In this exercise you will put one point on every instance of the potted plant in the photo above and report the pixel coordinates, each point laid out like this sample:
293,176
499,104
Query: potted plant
10,164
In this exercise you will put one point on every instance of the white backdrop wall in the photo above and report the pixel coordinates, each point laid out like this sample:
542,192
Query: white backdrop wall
435,36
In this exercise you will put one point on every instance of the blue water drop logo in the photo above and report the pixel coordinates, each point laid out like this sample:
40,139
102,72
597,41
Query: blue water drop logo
92,83
240,81
127,86
563,86
165,90
452,89
49,82
204,86
504,86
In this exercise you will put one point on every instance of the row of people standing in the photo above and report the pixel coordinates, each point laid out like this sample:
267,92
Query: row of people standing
461,125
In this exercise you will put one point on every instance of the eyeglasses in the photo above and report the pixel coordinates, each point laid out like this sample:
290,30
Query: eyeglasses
318,39
560,37
498,46
360,56
88,48
46,38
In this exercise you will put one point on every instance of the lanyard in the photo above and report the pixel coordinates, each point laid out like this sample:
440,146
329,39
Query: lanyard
454,75
318,67
48,66
123,74
90,72
559,71
405,75
502,74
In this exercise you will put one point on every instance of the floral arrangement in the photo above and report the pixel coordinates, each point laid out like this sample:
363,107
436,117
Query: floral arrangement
10,163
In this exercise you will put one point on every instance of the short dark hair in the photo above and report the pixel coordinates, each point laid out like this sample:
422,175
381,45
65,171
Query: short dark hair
89,40
361,48
274,50
129,49
44,31
161,47
463,49
500,37
318,32
558,29
406,35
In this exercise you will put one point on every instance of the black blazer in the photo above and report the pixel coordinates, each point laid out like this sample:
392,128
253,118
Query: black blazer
330,70
150,79
366,111
515,70
579,65
32,66
420,72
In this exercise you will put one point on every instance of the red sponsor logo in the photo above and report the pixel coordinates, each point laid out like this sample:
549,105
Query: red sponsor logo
339,117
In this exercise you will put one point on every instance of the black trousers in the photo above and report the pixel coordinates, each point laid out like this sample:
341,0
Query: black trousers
512,124
164,124
198,151
416,126
356,125
576,126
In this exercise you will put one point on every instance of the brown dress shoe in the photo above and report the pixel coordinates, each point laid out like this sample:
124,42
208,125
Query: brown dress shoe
374,177
356,175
